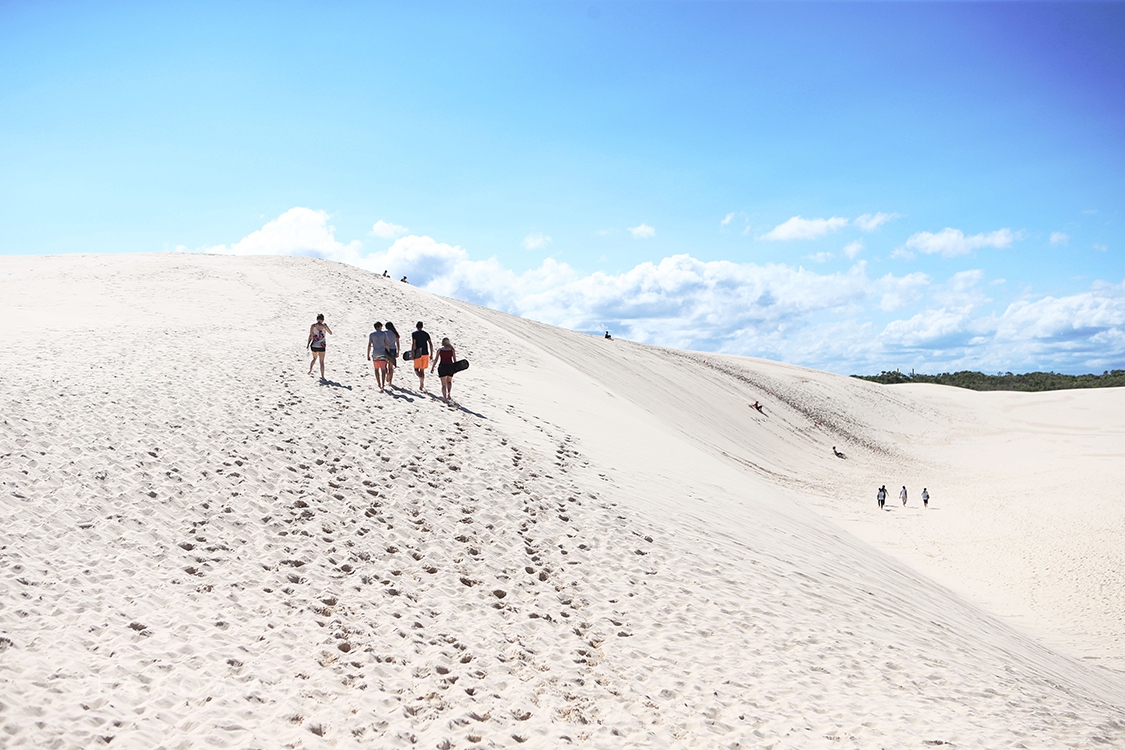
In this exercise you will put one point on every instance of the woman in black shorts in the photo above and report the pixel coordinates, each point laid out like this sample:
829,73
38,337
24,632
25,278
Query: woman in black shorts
317,343
446,356
392,352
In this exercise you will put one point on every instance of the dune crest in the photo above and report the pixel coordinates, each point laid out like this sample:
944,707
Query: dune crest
602,546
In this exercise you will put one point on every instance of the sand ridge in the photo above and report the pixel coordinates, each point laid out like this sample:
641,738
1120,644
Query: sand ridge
202,545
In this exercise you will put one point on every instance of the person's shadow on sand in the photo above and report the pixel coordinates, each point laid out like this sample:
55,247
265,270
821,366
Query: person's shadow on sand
334,384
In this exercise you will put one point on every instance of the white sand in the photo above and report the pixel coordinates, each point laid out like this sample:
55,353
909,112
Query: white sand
603,547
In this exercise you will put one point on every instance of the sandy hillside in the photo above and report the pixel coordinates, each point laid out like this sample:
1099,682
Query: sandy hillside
602,546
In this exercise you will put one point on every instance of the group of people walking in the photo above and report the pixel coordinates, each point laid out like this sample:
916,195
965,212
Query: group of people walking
383,347
881,496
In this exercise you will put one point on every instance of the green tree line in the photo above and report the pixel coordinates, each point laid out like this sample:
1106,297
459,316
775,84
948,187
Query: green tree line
1028,381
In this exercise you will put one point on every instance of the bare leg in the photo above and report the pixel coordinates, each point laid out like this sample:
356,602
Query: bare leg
421,378
312,363
321,357
390,372
380,376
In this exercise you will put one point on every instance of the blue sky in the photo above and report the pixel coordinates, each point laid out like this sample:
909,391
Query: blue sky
848,186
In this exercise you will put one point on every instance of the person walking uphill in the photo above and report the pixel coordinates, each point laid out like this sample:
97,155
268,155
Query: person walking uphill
881,496
391,334
902,496
446,356
377,353
421,349
317,343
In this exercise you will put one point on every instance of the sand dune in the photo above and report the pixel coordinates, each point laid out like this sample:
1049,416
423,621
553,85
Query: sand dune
602,546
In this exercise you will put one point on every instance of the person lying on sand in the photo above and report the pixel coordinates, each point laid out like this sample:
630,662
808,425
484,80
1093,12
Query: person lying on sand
837,453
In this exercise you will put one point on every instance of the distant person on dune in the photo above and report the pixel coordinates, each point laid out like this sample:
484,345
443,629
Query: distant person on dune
925,498
608,336
902,495
421,349
377,353
317,343
446,356
390,332
403,280
837,453
881,496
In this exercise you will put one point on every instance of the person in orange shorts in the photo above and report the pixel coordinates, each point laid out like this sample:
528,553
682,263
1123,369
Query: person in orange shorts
422,348
377,353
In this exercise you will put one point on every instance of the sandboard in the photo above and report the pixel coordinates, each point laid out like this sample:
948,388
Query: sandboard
407,355
461,364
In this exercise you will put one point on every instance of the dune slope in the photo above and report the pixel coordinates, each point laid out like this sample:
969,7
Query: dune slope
599,547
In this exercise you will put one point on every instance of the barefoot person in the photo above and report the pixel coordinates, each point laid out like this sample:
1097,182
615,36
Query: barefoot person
377,353
317,343
902,495
391,335
446,356
421,348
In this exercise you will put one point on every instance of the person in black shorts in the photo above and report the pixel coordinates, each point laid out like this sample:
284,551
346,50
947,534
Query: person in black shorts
317,343
446,356
392,351
421,348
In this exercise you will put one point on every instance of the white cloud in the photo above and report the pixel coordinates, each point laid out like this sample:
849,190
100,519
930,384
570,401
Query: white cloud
536,241
950,242
853,249
605,232
728,219
798,228
387,230
642,231
821,257
843,321
1101,248
1060,238
1071,319
899,291
298,231
871,222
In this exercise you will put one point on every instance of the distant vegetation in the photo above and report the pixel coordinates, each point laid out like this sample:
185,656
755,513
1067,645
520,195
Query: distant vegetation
1028,381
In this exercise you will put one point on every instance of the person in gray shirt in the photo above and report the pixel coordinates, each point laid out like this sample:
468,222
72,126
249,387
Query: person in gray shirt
377,353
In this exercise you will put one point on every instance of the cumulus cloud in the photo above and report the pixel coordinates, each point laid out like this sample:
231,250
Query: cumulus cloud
728,219
387,230
871,222
642,231
950,243
1071,320
799,228
298,231
853,249
1060,238
899,291
843,321
536,241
